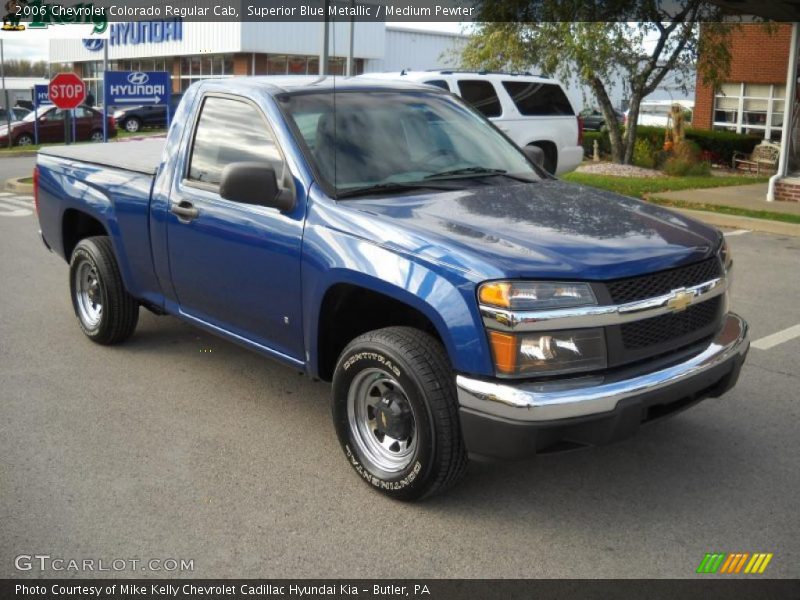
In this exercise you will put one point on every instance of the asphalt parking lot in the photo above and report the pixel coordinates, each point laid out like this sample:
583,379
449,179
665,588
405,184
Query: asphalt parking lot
180,445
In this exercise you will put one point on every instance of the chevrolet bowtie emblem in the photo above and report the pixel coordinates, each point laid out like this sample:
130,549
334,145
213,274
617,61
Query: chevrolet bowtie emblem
680,300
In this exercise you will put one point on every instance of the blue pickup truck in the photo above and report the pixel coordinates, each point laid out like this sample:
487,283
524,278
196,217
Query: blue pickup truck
386,237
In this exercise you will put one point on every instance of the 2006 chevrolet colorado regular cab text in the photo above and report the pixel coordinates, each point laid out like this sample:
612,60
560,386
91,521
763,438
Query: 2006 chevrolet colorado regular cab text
386,237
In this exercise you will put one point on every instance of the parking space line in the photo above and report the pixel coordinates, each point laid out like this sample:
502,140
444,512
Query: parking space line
4,194
780,337
18,202
736,232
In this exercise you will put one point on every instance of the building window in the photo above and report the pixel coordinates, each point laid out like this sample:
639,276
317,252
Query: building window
755,109
204,66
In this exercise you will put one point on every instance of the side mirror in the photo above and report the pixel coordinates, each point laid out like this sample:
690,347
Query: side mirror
254,183
535,155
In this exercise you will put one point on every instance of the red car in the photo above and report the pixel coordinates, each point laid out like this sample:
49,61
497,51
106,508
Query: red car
88,126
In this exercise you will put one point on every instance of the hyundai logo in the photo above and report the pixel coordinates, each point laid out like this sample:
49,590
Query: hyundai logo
93,44
138,78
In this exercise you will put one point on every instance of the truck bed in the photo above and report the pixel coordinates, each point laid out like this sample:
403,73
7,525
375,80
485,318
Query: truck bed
141,156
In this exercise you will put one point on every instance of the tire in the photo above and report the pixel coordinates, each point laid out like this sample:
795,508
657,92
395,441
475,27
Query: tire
25,140
132,125
396,414
106,313
96,135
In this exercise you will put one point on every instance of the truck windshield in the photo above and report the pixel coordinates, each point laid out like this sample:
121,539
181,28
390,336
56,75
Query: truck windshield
392,141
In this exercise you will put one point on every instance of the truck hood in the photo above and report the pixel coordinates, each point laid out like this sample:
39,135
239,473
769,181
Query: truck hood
542,229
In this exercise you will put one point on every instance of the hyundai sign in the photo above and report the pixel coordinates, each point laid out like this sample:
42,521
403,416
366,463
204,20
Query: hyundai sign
137,87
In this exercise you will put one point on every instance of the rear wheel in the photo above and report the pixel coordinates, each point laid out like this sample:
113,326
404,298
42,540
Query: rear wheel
396,413
132,125
96,136
107,314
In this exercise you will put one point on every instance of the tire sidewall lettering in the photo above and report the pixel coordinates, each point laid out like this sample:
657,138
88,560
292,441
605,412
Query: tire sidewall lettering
375,356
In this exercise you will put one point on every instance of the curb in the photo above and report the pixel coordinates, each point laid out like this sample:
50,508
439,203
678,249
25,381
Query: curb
15,185
736,222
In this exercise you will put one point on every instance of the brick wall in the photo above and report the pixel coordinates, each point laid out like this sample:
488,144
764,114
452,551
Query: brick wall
788,190
756,57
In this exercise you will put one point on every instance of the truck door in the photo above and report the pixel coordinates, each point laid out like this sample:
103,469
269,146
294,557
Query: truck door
235,266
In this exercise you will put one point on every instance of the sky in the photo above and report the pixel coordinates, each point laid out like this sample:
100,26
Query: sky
35,50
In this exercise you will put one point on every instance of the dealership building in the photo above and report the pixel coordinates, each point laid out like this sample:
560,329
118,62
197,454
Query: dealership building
193,50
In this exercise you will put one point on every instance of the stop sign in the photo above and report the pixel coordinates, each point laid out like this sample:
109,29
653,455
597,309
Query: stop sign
67,90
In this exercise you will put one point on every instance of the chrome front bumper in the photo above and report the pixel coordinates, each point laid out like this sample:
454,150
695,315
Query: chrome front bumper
549,402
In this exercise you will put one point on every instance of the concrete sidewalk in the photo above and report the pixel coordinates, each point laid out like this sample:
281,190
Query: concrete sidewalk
746,197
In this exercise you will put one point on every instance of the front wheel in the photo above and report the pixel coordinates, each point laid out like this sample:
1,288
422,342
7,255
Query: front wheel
132,125
396,413
25,140
106,312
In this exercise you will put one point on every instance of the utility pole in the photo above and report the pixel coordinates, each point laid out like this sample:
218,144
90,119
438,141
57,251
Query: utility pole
5,92
323,53
351,67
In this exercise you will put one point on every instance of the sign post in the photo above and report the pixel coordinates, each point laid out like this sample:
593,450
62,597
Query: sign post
41,97
67,91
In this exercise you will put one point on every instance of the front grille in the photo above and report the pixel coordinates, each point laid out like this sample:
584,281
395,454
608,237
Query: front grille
658,284
665,328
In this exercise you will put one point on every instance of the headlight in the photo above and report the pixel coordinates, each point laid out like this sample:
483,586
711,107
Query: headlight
530,295
119,114
725,255
548,353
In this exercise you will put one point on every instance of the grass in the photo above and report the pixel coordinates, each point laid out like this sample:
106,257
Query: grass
645,188
642,187
28,180
728,210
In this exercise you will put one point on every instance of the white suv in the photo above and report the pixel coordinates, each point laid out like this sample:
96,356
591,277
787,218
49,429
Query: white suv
532,111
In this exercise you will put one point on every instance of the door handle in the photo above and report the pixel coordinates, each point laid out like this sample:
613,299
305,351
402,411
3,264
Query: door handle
185,211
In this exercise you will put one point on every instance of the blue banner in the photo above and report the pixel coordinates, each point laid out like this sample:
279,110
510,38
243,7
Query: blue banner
130,88
41,96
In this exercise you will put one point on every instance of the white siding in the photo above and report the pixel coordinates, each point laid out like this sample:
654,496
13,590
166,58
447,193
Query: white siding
198,38
306,38
417,50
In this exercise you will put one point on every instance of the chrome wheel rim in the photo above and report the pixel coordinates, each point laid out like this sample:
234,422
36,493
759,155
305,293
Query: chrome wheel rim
25,141
87,295
97,137
131,126
382,421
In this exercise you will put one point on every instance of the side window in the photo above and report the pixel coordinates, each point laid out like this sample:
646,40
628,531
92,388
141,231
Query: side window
538,99
481,95
438,83
230,131
55,115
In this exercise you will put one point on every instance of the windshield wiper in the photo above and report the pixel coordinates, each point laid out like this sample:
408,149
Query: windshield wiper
388,188
472,171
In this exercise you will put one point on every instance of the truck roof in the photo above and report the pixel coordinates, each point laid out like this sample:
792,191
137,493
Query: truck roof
279,84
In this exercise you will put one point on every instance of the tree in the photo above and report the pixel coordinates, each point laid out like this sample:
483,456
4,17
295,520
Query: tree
635,40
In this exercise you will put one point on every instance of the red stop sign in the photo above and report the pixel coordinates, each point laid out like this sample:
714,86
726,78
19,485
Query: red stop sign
67,90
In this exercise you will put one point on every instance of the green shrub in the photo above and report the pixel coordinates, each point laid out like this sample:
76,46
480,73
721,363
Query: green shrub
644,153
588,142
715,146
685,161
721,145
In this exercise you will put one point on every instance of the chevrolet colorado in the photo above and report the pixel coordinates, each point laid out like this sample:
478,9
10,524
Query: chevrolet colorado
386,237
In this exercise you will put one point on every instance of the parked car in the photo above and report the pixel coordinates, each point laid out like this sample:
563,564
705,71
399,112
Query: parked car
17,114
134,118
386,237
595,120
656,112
531,110
88,126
